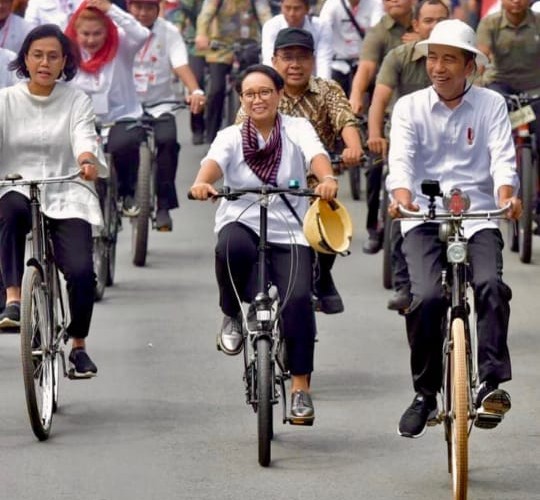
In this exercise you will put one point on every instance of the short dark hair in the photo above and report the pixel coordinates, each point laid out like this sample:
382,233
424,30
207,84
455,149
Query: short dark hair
47,31
419,5
469,56
261,68
307,3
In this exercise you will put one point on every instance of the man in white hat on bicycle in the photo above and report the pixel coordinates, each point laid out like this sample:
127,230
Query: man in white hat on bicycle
460,135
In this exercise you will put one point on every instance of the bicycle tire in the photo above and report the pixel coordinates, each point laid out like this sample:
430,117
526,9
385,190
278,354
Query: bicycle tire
233,105
388,231
264,400
140,224
527,189
36,357
460,411
113,222
355,183
101,266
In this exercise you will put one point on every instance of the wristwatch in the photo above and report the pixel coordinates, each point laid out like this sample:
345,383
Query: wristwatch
198,92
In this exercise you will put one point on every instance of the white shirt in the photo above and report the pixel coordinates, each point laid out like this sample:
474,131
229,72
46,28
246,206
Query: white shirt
300,144
50,12
346,41
469,147
7,78
13,33
322,36
163,50
42,136
112,89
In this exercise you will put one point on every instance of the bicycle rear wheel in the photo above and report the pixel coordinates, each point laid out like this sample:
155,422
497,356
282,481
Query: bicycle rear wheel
113,221
140,224
528,186
264,400
36,357
459,409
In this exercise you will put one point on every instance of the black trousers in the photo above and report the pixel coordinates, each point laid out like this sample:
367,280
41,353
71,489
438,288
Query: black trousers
123,144
425,256
373,193
165,137
237,249
198,65
400,273
215,98
72,247
345,80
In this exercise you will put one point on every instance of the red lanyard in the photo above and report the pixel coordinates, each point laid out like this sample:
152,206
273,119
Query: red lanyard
145,48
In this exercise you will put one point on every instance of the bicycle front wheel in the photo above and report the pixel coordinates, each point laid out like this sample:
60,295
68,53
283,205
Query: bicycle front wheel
101,266
36,356
528,186
264,400
459,409
140,225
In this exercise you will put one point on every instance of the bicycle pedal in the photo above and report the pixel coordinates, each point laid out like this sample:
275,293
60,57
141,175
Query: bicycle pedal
308,422
485,420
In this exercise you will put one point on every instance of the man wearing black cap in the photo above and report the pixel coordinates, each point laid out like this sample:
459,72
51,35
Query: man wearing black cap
325,105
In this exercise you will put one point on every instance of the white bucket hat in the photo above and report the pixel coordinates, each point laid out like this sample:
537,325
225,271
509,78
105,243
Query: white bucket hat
453,33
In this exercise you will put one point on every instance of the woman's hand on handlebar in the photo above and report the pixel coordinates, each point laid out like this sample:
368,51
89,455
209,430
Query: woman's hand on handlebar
327,189
202,191
516,208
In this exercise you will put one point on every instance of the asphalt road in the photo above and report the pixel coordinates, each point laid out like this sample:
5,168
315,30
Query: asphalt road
166,416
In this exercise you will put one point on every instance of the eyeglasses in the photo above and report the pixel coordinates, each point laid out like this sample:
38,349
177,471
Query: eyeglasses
249,95
51,57
299,58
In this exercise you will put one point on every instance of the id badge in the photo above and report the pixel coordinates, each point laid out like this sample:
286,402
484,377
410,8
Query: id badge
141,82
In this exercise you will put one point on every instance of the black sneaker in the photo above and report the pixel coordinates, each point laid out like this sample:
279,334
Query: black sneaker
11,316
400,300
80,364
492,404
413,422
129,206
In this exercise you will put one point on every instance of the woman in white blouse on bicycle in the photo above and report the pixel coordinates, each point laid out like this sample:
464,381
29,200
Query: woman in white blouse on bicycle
47,130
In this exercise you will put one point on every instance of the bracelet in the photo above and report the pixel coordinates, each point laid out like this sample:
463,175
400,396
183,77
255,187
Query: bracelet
333,177
198,92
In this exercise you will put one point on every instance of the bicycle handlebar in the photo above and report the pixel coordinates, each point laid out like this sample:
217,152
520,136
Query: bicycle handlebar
17,180
516,101
425,216
233,194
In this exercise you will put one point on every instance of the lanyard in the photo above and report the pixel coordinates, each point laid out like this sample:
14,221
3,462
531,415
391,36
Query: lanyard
6,30
145,48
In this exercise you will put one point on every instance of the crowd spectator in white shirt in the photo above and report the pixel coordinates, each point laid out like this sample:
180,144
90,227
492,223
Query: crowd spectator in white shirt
13,28
50,11
47,130
109,39
163,55
295,14
459,134
347,36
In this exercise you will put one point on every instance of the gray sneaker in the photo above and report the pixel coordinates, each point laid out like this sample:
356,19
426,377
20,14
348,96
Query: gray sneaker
492,404
230,339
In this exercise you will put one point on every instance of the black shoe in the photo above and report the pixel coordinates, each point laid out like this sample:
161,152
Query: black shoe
413,422
197,138
330,304
373,244
11,316
80,364
492,404
163,220
129,206
231,338
400,300
302,411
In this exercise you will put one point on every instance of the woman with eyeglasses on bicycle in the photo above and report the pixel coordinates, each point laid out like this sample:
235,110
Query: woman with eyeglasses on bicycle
47,130
268,148
108,39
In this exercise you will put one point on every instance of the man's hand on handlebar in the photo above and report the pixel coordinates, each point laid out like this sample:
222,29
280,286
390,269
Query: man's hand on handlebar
202,42
203,191
378,145
351,156
516,208
196,103
393,207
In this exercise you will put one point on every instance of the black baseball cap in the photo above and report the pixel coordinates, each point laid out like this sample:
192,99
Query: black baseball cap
294,37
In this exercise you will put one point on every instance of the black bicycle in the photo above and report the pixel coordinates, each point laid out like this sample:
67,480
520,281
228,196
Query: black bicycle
460,376
44,312
265,365
521,116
